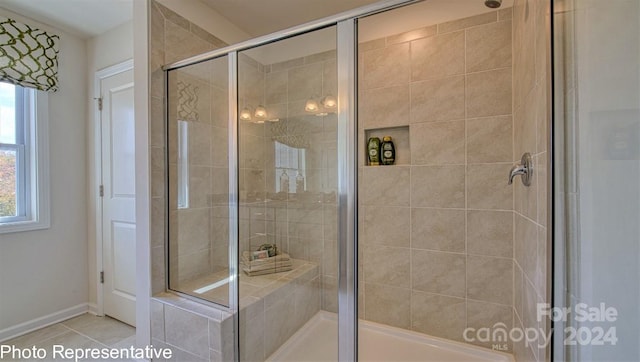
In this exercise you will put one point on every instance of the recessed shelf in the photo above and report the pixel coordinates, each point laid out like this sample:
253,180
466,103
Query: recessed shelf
400,138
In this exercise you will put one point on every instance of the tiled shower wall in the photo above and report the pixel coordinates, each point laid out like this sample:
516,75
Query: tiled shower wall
436,236
531,104
172,38
302,224
444,230
197,97
190,329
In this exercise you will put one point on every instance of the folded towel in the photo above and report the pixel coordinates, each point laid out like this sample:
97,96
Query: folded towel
253,273
246,259
277,265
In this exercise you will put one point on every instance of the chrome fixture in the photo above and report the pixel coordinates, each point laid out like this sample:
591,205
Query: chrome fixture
524,169
325,105
494,4
258,116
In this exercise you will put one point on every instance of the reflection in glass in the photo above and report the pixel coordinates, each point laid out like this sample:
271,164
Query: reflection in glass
287,191
199,180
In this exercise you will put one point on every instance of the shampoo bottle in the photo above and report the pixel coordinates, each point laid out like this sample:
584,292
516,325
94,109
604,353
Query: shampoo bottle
388,151
373,151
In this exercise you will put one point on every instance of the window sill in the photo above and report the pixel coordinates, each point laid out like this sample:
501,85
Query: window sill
20,226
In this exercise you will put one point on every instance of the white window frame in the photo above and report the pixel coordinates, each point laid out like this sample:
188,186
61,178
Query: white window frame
183,164
32,166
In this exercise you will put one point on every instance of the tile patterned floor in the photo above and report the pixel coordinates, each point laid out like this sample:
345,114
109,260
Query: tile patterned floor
85,331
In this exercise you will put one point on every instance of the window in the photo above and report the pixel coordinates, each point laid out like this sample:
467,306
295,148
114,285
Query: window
290,168
24,203
183,165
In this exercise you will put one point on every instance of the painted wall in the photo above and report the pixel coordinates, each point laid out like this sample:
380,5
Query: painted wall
112,47
45,271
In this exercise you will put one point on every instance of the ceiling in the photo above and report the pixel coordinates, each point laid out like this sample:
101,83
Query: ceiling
84,18
88,18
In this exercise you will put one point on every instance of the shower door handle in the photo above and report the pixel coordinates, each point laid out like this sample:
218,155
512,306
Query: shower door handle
524,169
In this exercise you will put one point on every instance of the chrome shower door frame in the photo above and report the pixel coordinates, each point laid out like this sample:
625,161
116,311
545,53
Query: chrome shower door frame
347,192
346,23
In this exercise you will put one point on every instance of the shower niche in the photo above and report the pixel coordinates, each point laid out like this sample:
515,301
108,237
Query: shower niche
400,138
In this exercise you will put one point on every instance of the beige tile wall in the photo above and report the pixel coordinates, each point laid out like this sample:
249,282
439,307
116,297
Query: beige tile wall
436,241
198,236
181,325
302,224
173,38
531,21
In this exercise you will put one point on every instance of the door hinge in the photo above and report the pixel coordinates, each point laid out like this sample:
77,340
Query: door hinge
101,191
99,103
101,277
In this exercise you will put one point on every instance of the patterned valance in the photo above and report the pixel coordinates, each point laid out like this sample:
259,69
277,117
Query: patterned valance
28,56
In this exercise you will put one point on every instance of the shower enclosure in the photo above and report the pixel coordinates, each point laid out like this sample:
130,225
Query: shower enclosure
597,132
279,222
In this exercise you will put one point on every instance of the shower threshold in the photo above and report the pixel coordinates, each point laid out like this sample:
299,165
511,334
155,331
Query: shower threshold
317,341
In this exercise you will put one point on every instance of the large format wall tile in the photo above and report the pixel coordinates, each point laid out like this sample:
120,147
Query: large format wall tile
490,279
187,331
387,265
437,186
437,143
438,315
385,225
437,56
489,140
490,233
483,315
387,66
439,99
489,93
437,272
489,47
487,187
385,186
438,229
388,305
384,107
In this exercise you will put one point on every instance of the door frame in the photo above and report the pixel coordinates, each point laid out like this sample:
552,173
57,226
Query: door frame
100,75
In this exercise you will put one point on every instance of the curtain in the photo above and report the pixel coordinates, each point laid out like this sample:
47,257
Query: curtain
28,56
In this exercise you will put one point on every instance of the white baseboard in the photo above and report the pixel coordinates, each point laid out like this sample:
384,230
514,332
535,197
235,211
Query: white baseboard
93,308
34,324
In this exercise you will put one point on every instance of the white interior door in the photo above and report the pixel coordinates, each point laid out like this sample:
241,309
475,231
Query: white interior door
118,201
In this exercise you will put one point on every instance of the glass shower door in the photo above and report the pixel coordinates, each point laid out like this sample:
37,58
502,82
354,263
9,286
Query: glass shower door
198,190
597,177
287,137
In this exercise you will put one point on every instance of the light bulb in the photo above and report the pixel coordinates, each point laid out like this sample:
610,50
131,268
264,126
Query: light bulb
329,102
245,114
311,106
261,112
